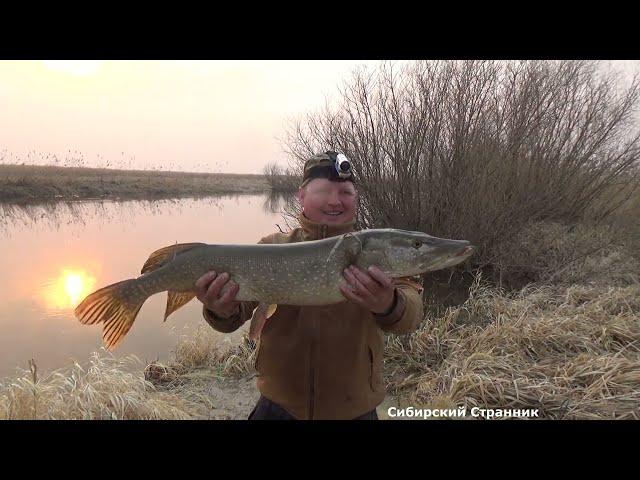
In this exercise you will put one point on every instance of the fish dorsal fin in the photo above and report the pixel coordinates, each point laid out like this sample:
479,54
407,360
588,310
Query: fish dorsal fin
166,254
348,246
260,316
175,300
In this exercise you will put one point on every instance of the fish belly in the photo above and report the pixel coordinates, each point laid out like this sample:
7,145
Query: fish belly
289,289
279,278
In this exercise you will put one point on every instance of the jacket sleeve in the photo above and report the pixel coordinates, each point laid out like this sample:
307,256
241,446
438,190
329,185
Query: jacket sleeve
234,322
407,312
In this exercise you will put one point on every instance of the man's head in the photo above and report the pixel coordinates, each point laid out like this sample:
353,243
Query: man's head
327,193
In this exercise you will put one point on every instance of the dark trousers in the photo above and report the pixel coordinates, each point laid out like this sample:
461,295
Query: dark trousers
265,409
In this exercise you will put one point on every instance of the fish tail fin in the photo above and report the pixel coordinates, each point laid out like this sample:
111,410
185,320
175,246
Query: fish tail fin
166,254
116,306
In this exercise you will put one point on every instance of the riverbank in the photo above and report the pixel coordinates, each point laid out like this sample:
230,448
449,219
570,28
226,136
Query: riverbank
29,183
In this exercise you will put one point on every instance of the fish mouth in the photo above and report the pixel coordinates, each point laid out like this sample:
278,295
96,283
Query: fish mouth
468,250
452,259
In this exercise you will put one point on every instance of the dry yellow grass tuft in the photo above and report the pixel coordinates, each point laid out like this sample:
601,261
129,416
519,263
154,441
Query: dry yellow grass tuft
205,350
107,388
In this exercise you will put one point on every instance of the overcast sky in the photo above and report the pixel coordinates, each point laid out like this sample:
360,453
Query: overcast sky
223,116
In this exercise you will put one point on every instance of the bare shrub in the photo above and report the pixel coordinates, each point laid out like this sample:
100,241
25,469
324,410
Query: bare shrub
279,179
481,150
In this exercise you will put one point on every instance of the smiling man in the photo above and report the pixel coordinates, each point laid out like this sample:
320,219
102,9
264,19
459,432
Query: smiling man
321,362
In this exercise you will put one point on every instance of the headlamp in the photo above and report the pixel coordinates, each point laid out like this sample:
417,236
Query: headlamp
343,166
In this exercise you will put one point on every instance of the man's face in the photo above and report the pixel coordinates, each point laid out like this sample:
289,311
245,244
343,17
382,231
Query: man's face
324,201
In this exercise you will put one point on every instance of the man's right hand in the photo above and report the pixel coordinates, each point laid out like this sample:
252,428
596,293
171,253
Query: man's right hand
218,294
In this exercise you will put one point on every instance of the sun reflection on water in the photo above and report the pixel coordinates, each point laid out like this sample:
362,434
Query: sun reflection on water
68,289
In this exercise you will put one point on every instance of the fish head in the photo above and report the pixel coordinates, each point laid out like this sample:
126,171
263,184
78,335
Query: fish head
405,253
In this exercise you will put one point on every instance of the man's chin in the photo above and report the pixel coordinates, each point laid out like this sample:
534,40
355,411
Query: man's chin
334,218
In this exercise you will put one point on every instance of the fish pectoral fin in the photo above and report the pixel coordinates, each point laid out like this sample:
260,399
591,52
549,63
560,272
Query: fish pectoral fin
175,300
271,309
260,316
166,254
347,247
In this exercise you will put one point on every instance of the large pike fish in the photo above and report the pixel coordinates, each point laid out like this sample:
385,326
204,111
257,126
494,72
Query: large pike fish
303,273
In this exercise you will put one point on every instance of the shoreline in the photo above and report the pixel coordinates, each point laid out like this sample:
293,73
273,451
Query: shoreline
31,202
22,184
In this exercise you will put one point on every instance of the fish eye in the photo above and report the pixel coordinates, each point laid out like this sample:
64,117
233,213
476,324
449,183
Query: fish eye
417,243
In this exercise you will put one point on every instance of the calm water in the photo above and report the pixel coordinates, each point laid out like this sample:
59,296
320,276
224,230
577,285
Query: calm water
52,256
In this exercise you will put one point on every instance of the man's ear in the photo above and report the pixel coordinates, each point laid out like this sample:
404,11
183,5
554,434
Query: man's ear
301,193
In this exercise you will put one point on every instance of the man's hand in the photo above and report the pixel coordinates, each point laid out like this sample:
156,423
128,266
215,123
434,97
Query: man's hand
218,294
374,289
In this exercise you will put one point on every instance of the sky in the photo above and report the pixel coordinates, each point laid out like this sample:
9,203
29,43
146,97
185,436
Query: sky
224,116
214,116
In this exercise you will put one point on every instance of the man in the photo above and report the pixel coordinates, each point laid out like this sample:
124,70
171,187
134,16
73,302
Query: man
321,362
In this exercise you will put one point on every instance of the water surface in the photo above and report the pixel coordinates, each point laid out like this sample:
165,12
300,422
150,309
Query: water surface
53,255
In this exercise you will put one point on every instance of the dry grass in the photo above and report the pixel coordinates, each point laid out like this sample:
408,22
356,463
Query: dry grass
203,351
124,389
571,352
24,183
551,253
217,375
107,388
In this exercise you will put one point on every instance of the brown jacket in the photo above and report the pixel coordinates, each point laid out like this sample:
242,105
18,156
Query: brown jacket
325,362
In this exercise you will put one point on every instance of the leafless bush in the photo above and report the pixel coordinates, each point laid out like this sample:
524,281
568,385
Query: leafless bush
481,149
279,179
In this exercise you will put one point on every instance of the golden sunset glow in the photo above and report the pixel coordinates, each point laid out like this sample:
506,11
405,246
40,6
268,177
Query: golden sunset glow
69,289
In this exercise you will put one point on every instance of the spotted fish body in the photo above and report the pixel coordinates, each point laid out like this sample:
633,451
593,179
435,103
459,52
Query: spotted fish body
291,274
303,273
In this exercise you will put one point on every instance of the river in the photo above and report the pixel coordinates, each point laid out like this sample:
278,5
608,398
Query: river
53,255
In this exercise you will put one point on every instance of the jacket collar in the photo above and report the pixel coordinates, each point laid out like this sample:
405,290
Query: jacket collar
317,231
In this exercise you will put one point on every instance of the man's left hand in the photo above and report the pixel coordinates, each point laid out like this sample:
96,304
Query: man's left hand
374,290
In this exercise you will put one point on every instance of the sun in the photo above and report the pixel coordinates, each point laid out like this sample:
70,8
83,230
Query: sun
74,286
69,289
80,68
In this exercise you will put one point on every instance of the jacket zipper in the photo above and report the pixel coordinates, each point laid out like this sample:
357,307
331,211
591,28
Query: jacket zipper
312,380
312,392
371,369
